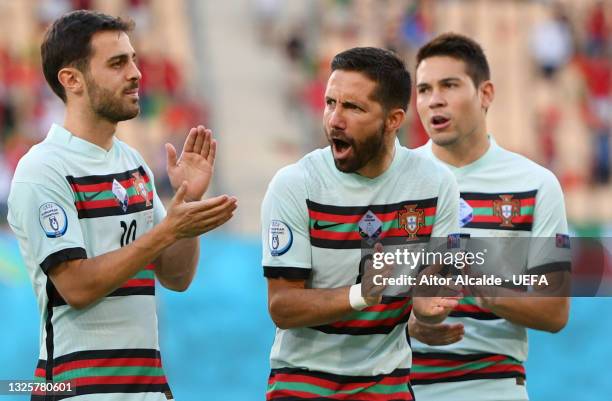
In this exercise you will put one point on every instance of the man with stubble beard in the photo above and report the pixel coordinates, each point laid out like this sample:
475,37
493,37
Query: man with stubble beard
93,232
332,338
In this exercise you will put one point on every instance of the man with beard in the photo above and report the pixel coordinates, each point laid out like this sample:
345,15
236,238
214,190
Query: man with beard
91,228
318,213
478,353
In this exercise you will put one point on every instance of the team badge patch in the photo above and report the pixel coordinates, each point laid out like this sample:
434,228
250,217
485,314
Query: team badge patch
370,226
466,213
453,241
280,238
53,219
411,219
506,209
121,195
562,241
140,187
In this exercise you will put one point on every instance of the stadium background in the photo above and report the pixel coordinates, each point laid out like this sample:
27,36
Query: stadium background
255,71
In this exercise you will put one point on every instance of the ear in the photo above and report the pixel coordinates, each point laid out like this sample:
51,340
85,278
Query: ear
395,119
72,80
487,94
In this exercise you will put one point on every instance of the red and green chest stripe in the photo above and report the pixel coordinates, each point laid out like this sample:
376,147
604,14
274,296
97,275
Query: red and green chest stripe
501,211
114,194
345,227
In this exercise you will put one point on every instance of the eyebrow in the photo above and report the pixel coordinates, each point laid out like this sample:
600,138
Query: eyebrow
347,102
442,81
121,56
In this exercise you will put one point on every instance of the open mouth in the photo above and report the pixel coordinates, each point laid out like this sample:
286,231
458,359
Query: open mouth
340,147
440,122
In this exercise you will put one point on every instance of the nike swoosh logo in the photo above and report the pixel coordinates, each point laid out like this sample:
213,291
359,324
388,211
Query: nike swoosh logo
90,198
317,226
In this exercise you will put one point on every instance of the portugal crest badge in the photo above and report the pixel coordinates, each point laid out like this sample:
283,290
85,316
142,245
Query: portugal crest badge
141,189
411,219
506,209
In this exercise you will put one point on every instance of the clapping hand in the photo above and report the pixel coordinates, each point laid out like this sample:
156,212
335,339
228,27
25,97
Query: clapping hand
195,165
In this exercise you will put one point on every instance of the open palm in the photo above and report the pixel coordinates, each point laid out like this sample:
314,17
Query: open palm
195,165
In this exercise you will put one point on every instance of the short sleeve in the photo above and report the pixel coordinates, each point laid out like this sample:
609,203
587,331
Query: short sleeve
447,210
549,245
47,221
285,234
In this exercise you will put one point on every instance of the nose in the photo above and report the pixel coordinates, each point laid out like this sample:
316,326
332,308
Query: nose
436,99
134,73
336,119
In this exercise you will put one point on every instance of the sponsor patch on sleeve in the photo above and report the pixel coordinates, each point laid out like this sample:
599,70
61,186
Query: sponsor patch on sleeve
562,241
280,238
53,219
453,241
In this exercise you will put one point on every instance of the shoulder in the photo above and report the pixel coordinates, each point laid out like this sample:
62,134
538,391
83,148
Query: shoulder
297,174
540,176
421,162
40,164
288,178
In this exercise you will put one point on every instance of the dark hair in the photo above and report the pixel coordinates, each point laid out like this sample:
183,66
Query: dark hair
383,67
68,43
461,48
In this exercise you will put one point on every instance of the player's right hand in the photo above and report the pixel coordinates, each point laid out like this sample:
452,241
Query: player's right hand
190,219
374,292
435,334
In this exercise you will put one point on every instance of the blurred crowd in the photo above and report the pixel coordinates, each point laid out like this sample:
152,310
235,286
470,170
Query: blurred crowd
566,101
28,107
565,38
564,42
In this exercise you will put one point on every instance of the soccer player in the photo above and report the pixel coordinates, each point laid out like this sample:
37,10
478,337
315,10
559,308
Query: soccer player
332,341
93,232
478,353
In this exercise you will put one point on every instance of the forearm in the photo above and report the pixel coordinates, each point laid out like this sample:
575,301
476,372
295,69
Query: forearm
301,307
176,265
540,313
83,282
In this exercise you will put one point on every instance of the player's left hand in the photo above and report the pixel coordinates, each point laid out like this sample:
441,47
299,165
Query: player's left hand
195,166
433,310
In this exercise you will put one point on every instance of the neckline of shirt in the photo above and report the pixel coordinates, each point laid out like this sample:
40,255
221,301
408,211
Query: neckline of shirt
60,135
490,153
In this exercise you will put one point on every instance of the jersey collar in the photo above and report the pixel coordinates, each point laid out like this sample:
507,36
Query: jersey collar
482,160
61,136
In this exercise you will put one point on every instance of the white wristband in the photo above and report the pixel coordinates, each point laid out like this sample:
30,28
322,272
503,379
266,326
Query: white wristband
355,299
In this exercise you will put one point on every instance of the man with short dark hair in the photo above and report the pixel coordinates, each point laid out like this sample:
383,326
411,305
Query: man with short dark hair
334,339
478,354
93,232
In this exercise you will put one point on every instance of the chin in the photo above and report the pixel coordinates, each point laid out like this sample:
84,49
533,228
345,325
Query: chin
346,167
131,113
443,138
